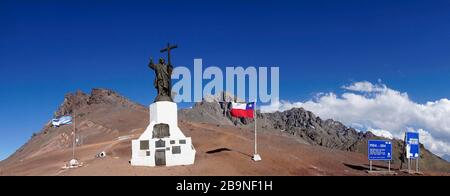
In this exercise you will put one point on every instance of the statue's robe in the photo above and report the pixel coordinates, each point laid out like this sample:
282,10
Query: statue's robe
162,80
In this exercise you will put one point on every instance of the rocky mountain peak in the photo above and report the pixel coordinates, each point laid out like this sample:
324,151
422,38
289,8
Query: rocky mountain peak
79,99
222,96
106,96
72,101
296,121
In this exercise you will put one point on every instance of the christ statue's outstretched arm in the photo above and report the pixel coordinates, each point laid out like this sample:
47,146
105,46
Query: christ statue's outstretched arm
151,65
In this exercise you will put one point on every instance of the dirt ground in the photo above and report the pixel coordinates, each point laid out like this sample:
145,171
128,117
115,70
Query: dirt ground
221,150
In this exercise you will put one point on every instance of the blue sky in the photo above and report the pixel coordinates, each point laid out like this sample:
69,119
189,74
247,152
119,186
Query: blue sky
49,48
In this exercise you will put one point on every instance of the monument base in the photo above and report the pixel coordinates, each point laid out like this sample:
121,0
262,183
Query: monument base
162,143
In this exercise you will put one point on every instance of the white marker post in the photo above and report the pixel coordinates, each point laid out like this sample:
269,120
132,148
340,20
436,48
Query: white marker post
256,156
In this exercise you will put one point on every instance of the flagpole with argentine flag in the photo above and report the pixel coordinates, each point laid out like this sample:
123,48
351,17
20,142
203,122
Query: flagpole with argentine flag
66,120
247,110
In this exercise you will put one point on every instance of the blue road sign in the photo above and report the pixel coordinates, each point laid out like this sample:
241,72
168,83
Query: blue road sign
412,145
379,150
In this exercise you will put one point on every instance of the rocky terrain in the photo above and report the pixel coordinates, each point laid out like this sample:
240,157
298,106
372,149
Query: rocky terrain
293,142
307,128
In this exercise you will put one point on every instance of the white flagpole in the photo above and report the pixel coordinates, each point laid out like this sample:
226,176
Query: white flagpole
256,156
73,139
256,138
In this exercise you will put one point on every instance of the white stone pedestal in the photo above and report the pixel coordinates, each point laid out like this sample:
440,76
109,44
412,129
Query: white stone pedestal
176,149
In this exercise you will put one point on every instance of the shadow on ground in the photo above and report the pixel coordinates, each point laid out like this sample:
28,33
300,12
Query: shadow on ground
366,167
218,150
356,167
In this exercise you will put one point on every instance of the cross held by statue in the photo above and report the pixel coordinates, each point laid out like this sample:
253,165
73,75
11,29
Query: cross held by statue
167,49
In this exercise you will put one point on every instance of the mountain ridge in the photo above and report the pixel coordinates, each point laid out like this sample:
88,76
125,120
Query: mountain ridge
309,128
104,116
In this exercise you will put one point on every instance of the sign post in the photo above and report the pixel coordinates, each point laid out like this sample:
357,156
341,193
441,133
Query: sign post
412,149
417,165
379,150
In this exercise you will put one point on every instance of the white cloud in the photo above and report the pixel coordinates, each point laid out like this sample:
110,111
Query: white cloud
368,106
439,147
365,86
381,133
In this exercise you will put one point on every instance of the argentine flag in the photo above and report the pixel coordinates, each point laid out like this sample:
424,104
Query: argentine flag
64,120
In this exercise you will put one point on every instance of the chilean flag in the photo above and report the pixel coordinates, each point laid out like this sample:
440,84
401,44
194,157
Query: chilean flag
242,110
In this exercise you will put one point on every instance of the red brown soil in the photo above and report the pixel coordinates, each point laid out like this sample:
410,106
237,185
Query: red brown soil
229,148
